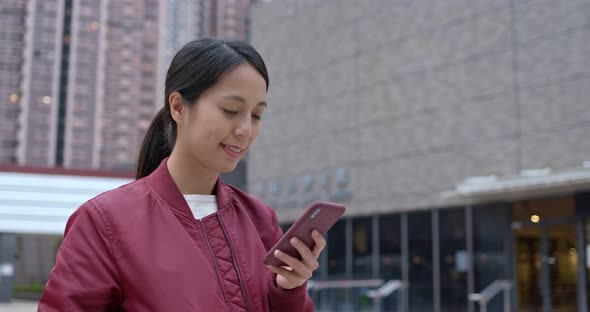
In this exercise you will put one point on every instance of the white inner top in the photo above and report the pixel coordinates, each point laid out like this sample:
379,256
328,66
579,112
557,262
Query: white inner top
201,205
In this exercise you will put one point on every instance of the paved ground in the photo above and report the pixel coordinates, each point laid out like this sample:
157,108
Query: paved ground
19,306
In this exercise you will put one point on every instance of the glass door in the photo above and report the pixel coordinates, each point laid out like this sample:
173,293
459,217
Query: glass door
546,268
562,263
528,269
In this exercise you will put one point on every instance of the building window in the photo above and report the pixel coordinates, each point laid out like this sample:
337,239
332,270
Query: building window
420,261
454,260
285,227
337,250
362,248
390,255
490,226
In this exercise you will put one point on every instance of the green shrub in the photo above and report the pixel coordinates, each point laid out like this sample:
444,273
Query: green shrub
30,288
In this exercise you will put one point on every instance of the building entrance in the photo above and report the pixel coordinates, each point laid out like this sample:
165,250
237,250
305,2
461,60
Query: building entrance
546,254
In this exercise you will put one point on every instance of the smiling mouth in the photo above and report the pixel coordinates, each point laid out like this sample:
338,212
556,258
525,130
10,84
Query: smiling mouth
232,148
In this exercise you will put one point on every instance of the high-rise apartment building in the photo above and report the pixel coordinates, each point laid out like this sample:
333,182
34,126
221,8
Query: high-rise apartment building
89,81
187,20
81,80
12,15
184,22
130,80
228,18
79,107
41,64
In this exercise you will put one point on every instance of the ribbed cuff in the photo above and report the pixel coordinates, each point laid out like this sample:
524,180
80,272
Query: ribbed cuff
286,300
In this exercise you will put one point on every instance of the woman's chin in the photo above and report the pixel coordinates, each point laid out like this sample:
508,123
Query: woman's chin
228,168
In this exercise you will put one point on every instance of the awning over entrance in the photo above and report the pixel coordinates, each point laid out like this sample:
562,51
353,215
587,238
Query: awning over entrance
528,184
39,201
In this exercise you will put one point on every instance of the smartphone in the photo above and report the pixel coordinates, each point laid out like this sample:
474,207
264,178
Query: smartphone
320,216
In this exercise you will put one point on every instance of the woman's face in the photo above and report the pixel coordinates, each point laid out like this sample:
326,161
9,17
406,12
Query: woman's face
224,122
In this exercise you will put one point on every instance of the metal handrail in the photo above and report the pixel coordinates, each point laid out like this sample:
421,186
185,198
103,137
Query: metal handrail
385,290
318,285
492,290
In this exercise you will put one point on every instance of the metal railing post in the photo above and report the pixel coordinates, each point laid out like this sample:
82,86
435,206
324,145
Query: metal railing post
507,299
376,304
386,290
492,290
400,300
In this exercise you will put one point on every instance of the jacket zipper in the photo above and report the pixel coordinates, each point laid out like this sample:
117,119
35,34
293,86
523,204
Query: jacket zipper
214,264
236,267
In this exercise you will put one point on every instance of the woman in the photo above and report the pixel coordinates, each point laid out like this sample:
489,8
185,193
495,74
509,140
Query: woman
178,238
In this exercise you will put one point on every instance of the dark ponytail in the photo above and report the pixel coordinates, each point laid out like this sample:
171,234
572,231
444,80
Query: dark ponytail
194,69
156,144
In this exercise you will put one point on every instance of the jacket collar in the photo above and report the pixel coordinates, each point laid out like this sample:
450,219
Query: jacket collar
162,184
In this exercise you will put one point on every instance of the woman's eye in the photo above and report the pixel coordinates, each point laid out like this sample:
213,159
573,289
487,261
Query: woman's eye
257,117
230,112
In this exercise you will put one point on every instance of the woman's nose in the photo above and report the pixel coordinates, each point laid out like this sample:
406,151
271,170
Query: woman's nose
244,128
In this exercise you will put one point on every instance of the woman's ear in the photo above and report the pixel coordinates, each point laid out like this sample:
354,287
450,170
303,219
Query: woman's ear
177,108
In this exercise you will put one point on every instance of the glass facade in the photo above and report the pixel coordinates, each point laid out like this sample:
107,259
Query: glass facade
491,225
582,204
420,261
336,254
362,248
454,260
337,251
563,264
390,255
528,269
362,260
373,247
445,255
586,264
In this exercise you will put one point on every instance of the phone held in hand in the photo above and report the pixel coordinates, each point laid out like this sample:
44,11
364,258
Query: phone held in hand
320,216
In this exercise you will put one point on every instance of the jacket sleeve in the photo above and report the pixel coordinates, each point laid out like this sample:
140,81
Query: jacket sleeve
293,300
84,277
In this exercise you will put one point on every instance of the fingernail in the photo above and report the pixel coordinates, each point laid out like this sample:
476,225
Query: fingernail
278,252
294,241
315,233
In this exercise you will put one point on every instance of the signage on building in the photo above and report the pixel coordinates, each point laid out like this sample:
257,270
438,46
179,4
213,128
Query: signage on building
297,192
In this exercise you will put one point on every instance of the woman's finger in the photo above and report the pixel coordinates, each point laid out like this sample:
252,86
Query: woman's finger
287,279
308,258
294,263
303,249
289,275
320,243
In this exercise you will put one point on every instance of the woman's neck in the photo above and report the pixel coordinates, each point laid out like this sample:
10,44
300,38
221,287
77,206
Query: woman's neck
190,177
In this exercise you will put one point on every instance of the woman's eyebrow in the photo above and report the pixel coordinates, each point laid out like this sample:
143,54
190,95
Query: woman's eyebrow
241,99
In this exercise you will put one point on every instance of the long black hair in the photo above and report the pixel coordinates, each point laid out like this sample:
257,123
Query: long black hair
194,69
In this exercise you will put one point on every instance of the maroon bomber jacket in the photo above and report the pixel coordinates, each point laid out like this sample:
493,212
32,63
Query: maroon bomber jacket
139,248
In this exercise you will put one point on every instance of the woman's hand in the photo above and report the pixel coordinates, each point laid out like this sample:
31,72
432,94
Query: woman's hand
298,272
